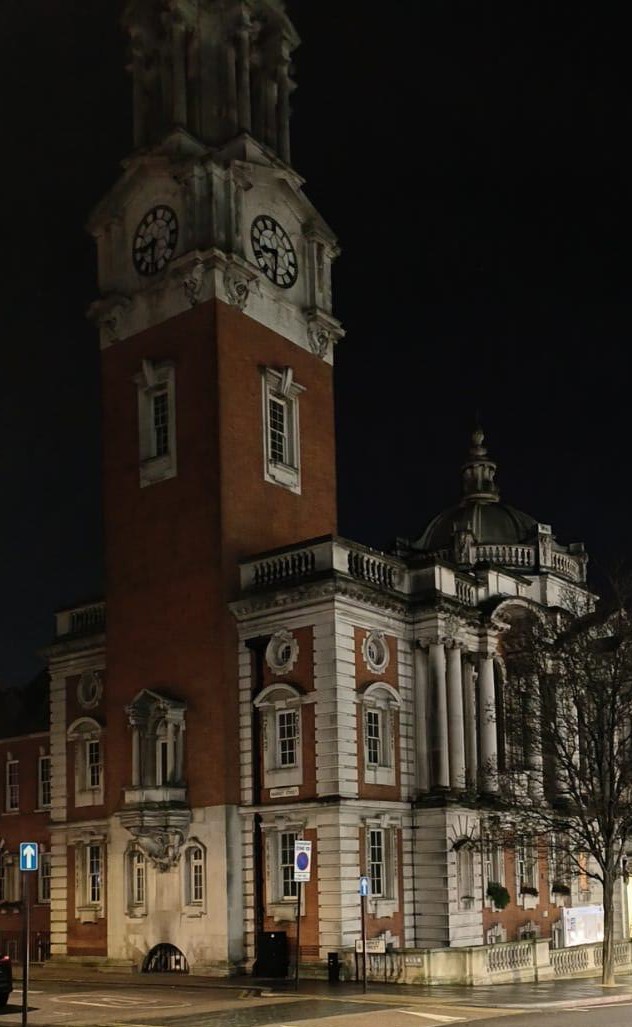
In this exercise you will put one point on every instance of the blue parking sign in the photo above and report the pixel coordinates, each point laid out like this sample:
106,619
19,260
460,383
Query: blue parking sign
29,855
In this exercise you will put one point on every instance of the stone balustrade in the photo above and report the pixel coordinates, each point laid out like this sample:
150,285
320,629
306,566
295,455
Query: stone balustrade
509,556
88,619
319,557
505,962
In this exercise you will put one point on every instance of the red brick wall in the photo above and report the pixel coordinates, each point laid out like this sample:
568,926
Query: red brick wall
28,824
364,678
513,916
171,549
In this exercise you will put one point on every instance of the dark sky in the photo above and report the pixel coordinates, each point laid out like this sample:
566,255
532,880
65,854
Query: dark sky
472,158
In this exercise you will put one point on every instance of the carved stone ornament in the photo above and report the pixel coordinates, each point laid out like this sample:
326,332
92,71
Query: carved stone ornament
193,282
282,652
89,689
319,338
161,847
375,652
237,287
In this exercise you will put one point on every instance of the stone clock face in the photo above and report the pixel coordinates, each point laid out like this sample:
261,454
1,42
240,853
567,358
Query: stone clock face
273,251
155,240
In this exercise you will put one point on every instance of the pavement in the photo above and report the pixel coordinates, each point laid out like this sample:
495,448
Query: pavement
562,994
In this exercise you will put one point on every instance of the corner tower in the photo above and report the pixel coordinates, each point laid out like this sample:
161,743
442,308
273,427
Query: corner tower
217,340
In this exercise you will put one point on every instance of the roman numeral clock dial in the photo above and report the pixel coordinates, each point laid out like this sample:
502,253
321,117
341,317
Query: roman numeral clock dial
273,251
155,240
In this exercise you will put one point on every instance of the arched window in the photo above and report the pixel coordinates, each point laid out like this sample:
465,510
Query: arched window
380,707
194,864
465,874
86,734
136,878
280,707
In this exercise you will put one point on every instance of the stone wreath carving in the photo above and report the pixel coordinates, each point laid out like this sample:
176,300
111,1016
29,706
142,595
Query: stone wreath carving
237,288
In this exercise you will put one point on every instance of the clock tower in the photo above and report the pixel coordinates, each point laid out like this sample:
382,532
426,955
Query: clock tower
217,340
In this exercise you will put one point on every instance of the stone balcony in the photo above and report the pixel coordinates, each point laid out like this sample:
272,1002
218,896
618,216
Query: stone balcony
87,619
334,556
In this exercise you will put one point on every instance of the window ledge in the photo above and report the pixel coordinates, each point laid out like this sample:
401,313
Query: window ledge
384,907
280,911
157,468
194,911
283,776
89,914
284,474
379,775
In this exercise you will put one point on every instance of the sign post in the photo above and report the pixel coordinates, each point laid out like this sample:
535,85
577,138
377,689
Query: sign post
29,863
364,891
302,872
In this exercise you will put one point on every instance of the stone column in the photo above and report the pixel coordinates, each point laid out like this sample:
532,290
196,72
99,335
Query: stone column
170,752
140,94
421,718
534,741
456,733
243,78
437,681
135,757
179,73
469,703
283,112
231,113
487,724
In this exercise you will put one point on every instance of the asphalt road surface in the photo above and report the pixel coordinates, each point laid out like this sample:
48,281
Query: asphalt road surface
138,1006
119,1005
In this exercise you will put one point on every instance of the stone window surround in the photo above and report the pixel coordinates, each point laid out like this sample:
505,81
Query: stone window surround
83,731
87,911
277,907
388,904
274,699
152,380
384,699
280,385
134,908
193,907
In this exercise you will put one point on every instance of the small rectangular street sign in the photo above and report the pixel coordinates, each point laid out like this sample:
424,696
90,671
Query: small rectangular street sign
29,853
302,860
374,946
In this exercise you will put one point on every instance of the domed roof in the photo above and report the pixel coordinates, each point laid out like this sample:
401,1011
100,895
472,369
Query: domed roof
480,514
489,523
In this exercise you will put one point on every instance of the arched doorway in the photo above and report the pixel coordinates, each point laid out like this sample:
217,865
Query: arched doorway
165,958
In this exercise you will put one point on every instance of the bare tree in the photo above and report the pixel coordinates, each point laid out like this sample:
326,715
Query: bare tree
566,770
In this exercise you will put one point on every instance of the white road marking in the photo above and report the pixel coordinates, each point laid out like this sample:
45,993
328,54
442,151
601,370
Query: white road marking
116,1001
434,1016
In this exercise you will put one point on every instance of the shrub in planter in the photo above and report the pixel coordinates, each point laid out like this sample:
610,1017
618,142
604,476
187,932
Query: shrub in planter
528,889
560,889
498,894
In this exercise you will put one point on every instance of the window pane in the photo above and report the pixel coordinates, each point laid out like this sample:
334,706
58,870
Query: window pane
44,781
94,873
373,739
44,877
197,874
278,431
287,735
160,405
289,887
13,785
376,862
93,761
138,878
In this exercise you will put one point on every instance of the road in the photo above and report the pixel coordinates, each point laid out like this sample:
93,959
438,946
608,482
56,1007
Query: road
100,1005
116,1004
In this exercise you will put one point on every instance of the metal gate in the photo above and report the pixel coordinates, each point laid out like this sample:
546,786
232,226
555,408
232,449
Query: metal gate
165,959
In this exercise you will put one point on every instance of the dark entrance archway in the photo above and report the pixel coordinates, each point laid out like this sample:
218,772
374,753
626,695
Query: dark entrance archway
163,959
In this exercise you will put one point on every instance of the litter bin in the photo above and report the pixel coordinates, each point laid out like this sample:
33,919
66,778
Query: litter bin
333,967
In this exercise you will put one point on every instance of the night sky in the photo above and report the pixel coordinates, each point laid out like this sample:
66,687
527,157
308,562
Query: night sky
470,156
